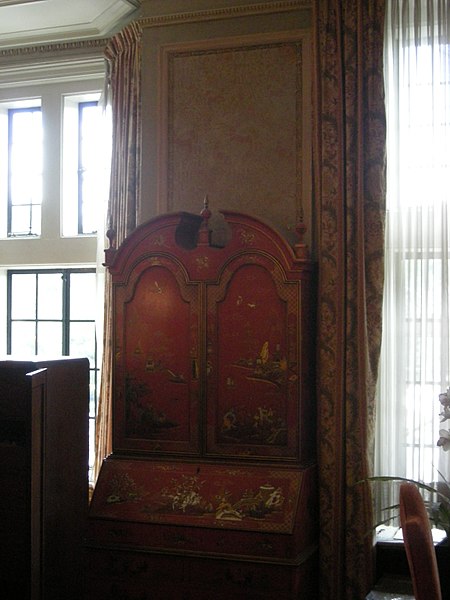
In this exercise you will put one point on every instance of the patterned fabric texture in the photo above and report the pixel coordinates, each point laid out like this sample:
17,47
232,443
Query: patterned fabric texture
349,165
124,56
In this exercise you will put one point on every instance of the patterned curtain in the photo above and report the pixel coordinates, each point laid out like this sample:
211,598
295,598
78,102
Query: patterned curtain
123,56
349,159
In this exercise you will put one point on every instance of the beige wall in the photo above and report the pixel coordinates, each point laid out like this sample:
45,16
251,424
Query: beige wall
227,108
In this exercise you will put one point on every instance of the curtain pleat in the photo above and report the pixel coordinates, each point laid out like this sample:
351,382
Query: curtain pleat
123,57
349,165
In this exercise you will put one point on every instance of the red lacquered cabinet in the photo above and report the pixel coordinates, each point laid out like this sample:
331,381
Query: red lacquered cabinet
210,490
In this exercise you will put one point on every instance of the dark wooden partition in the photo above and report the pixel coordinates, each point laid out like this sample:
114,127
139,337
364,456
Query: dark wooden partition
43,477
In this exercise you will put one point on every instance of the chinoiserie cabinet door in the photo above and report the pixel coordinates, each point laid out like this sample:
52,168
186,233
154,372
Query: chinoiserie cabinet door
253,383
156,378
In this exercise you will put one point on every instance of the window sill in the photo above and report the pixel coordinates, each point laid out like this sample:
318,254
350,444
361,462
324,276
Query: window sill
393,535
392,565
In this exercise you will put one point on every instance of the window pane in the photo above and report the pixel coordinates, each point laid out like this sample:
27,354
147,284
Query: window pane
25,220
23,336
25,171
49,339
89,134
23,295
86,163
82,340
90,201
25,190
50,297
91,151
82,296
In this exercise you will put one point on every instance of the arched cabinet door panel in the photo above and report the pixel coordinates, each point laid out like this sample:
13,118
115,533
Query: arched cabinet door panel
156,367
253,379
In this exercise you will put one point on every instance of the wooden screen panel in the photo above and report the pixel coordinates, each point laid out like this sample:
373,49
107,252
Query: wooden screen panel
157,372
21,429
253,356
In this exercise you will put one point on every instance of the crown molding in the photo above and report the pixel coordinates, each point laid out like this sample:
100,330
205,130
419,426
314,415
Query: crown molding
53,48
230,12
68,61
16,2
34,22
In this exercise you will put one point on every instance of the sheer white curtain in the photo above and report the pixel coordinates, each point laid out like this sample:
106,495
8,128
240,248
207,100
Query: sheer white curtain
414,366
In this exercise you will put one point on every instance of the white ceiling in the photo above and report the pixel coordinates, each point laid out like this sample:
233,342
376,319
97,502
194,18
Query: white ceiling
32,22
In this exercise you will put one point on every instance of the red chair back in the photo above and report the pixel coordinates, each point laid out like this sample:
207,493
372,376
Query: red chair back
419,545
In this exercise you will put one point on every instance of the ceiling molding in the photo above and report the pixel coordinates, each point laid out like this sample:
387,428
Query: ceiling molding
34,22
17,2
56,48
43,64
229,12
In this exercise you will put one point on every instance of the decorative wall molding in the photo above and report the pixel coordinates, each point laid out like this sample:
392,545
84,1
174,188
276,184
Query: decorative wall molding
229,12
220,128
47,62
38,50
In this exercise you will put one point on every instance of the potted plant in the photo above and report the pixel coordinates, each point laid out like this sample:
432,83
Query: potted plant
438,503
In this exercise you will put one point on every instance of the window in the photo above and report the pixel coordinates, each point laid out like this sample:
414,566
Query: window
415,360
53,190
53,313
24,156
88,153
20,148
85,163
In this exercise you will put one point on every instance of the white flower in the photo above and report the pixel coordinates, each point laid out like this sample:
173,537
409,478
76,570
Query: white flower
444,398
445,414
444,439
